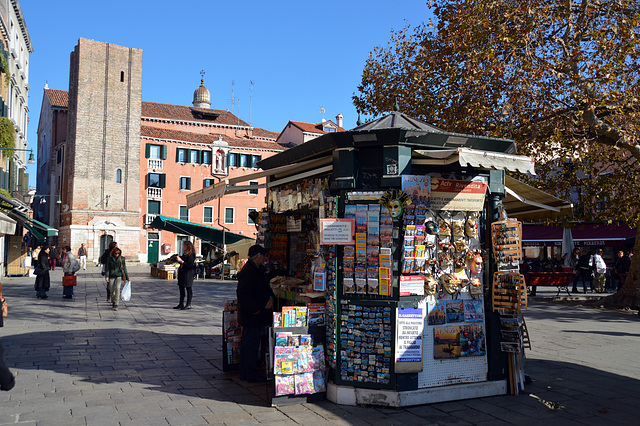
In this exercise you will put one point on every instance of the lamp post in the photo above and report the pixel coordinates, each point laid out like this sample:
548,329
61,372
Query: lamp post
59,201
31,159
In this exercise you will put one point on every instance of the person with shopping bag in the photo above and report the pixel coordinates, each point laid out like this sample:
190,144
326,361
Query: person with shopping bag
69,268
115,273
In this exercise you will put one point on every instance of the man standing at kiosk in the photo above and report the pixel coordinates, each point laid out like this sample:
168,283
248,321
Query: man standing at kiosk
255,303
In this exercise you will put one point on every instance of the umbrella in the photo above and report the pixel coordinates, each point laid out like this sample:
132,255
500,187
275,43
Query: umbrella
567,245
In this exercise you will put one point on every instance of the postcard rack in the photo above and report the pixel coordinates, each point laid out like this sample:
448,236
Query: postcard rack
508,293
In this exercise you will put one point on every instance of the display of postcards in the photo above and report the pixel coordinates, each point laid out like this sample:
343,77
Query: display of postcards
361,245
293,340
372,286
409,219
473,310
348,267
410,231
386,230
385,257
408,251
372,255
420,250
306,340
282,339
437,313
446,342
385,217
384,287
285,385
349,285
408,266
361,286
349,252
361,218
350,211
455,311
360,271
319,381
420,232
473,341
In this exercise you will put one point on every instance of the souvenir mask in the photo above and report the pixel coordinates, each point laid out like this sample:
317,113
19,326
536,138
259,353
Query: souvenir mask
449,283
476,263
430,285
431,228
395,201
475,286
460,246
443,228
471,227
458,229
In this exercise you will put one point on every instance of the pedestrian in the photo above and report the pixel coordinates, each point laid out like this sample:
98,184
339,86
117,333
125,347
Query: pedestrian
186,274
43,281
255,304
621,267
7,380
82,255
573,264
53,257
69,268
600,269
584,268
115,273
103,262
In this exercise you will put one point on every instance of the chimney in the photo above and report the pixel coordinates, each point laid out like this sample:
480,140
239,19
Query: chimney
339,118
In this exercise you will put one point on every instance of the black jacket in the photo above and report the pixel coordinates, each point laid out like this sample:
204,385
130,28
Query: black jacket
187,271
253,294
43,281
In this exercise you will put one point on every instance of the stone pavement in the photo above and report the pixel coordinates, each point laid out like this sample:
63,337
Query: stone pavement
77,362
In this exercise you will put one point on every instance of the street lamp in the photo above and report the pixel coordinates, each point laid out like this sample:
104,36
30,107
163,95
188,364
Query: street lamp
31,160
59,201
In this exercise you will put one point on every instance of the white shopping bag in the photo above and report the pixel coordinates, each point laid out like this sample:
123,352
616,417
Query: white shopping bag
125,295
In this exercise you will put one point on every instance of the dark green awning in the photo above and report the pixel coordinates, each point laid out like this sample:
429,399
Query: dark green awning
37,228
205,233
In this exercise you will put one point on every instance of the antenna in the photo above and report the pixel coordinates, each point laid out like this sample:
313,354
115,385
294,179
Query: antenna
250,100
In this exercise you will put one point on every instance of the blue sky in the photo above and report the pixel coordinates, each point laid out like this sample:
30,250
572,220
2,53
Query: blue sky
300,55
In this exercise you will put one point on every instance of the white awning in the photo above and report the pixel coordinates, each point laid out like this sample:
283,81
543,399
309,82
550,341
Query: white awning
525,200
476,158
7,225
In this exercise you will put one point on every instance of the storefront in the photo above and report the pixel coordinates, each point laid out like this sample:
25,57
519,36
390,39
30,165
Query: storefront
384,233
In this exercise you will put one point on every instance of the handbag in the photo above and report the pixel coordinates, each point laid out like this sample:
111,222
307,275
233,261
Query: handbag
69,281
125,295
38,271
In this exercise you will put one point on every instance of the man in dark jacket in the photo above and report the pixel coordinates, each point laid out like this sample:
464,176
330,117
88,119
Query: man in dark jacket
255,303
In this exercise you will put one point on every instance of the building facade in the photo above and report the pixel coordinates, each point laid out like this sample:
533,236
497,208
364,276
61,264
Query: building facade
117,162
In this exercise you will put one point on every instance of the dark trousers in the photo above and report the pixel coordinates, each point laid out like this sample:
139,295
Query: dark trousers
189,295
250,354
585,277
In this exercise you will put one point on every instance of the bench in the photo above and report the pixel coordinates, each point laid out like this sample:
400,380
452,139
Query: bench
562,280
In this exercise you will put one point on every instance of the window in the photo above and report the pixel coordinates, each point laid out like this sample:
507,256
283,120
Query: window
208,182
156,180
233,160
194,156
153,206
121,76
185,183
184,213
59,156
253,191
228,215
249,221
208,215
156,152
205,157
181,155
244,160
118,176
254,160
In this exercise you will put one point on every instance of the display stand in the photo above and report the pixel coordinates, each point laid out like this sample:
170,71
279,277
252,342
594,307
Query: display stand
231,335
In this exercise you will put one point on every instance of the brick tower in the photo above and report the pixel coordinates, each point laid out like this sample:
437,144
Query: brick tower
101,184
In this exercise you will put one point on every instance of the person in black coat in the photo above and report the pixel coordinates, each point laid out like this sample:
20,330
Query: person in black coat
186,273
43,281
103,261
255,304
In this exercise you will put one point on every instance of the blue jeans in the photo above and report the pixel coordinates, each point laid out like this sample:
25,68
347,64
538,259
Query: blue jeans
249,353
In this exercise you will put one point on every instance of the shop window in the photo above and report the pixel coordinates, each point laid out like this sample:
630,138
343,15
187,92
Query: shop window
185,183
253,191
208,215
184,213
229,215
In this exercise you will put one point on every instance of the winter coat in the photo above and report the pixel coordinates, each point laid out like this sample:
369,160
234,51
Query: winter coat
253,294
116,267
43,282
187,271
70,265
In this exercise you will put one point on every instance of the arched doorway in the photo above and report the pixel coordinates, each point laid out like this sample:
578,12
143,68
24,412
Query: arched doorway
105,240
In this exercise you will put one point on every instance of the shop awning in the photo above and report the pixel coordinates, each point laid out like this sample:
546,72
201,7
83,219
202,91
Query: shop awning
37,228
588,234
7,225
526,202
205,233
476,158
282,174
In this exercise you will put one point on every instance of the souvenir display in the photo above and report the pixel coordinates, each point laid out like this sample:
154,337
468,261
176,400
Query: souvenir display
506,236
295,361
231,333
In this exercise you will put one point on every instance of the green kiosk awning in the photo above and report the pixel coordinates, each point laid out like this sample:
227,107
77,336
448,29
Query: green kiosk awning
205,233
37,228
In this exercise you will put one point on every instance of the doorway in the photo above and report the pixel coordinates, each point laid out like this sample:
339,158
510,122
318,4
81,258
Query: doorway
105,240
153,247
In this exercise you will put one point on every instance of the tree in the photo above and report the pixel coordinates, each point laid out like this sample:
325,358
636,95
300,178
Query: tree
561,78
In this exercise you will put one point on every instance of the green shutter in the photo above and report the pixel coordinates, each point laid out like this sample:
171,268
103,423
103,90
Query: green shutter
163,152
189,183
177,155
147,150
163,180
188,156
201,157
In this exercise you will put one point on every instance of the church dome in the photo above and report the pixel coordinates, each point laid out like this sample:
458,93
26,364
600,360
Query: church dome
202,97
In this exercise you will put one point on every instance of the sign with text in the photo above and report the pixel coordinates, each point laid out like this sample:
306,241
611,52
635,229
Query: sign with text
336,231
457,195
410,327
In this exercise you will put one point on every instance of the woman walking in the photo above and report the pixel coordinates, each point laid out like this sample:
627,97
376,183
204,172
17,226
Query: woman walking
103,261
115,272
185,274
43,281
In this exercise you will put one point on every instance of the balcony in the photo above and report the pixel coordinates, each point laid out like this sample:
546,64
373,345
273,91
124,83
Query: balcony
154,164
148,218
154,193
